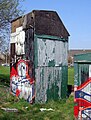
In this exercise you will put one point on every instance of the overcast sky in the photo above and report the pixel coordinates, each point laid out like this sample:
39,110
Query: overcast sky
75,14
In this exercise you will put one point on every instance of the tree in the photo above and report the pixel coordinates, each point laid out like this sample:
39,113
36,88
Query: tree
9,9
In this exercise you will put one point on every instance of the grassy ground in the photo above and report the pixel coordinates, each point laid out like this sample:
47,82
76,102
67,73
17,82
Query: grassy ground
4,70
4,75
62,109
71,76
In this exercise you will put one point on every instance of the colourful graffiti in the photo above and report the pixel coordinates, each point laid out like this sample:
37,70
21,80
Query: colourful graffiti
82,109
22,84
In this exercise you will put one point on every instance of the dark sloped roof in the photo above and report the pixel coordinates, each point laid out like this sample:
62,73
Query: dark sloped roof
49,23
44,23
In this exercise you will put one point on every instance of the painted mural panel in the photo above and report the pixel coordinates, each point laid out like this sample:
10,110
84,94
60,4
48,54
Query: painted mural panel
22,85
48,83
83,100
86,113
18,38
82,87
52,52
21,73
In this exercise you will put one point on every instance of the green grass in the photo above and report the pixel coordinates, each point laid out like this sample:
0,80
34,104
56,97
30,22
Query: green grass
71,76
4,70
62,109
4,75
